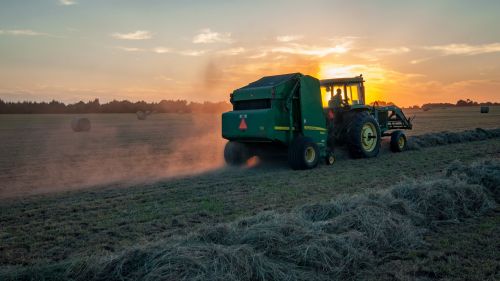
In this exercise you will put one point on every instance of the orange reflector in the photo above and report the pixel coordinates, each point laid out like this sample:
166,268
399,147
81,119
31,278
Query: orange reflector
243,124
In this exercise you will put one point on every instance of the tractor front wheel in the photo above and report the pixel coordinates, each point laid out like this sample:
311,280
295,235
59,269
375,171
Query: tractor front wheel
303,153
364,136
398,141
236,153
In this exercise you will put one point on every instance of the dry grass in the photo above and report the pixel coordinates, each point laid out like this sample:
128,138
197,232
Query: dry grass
121,149
443,138
339,240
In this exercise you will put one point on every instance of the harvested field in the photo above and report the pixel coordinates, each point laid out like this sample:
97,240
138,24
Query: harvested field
339,240
443,138
40,154
108,222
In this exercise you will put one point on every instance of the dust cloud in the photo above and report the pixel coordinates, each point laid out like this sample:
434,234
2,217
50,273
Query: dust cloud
46,156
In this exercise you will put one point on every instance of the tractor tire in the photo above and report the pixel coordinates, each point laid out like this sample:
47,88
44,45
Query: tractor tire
398,141
363,137
236,153
303,154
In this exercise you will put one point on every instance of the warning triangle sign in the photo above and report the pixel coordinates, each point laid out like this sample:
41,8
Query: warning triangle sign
243,124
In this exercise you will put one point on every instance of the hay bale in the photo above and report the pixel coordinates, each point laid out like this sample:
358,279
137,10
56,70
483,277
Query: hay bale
141,115
485,109
80,124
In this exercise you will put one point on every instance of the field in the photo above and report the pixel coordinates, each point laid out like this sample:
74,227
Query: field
68,196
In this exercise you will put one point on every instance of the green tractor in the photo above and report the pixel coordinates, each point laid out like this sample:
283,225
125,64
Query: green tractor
292,113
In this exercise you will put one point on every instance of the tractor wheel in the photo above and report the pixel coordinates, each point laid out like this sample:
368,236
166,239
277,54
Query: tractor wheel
398,141
364,136
236,153
303,154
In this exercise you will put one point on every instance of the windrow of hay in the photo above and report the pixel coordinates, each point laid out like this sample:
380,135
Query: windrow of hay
343,239
443,138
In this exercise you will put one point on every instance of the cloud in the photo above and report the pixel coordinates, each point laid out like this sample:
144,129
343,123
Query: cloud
417,61
391,51
376,54
22,32
258,55
164,50
465,49
232,51
289,38
299,49
130,49
67,2
206,36
161,50
192,53
137,35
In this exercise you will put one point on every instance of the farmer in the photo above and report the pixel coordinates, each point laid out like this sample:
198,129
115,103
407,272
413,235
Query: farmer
336,101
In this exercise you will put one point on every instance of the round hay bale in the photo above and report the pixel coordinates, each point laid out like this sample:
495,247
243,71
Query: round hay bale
485,109
141,115
80,124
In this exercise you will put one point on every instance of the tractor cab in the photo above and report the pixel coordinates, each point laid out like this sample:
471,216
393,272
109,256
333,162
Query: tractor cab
343,92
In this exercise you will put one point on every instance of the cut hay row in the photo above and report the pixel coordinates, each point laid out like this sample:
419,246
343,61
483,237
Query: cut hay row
443,138
343,239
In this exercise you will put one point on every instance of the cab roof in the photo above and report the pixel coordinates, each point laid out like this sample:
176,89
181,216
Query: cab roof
342,81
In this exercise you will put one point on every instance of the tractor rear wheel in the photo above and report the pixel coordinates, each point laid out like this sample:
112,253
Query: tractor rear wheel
398,141
364,136
236,153
303,153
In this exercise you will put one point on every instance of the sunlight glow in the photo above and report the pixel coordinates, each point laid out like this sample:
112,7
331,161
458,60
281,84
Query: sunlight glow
375,76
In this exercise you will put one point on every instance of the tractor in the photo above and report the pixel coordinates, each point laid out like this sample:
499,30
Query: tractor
308,118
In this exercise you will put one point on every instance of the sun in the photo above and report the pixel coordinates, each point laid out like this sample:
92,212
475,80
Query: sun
375,77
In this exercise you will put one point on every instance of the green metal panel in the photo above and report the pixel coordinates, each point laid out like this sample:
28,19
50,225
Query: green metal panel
285,119
278,86
259,125
312,122
252,94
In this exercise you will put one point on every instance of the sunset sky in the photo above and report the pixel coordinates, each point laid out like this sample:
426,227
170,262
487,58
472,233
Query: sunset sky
410,52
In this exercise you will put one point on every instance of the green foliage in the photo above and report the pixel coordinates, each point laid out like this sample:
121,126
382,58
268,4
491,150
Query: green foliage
125,106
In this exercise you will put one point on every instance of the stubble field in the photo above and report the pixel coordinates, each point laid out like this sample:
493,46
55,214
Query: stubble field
127,183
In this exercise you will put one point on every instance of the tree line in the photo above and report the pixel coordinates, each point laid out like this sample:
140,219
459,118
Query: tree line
466,102
125,106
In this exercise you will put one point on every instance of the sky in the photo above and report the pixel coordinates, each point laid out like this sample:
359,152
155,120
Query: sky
410,52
